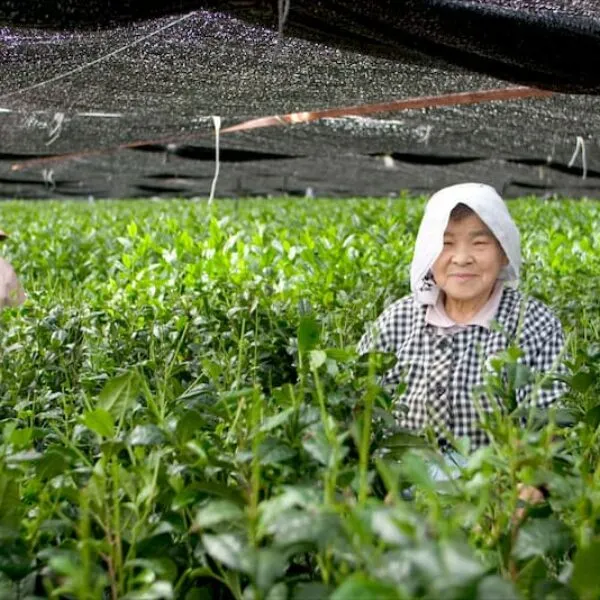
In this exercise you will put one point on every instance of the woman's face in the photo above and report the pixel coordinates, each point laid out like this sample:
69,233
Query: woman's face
470,261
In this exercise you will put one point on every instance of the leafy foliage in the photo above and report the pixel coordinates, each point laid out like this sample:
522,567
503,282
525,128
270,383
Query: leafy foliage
183,415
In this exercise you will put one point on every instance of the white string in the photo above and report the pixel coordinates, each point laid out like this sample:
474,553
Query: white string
580,147
98,60
213,187
48,177
283,10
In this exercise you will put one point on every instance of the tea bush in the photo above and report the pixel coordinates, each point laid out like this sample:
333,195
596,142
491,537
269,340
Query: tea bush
183,414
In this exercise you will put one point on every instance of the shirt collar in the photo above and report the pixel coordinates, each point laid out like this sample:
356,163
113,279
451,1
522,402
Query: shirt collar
437,316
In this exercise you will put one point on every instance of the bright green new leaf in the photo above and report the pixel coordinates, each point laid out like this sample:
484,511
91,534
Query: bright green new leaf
99,421
317,358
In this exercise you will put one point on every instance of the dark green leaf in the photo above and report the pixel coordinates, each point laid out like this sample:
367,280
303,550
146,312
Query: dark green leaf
226,548
118,394
53,463
592,417
273,451
217,512
275,421
529,576
317,445
146,435
299,527
220,490
554,590
203,593
403,439
10,506
359,586
586,571
582,381
541,537
460,563
15,561
308,333
158,590
278,592
271,564
496,588
188,425
312,591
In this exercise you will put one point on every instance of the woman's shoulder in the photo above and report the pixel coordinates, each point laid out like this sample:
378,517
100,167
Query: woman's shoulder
407,305
6,268
537,315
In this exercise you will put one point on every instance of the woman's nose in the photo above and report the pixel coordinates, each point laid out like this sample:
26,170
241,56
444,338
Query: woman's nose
462,256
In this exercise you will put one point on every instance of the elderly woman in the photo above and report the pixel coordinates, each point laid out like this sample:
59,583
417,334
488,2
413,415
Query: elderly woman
463,274
11,292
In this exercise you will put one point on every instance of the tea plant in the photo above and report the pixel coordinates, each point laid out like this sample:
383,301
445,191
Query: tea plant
183,414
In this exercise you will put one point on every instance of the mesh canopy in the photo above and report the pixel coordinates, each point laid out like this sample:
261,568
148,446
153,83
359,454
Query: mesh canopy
82,76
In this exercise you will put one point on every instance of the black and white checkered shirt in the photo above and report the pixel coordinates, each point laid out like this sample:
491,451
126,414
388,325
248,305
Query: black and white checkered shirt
441,371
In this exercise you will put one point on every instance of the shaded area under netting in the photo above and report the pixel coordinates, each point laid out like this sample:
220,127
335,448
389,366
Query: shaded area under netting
93,76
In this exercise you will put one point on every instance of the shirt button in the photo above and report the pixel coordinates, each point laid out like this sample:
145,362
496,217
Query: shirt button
439,390
444,343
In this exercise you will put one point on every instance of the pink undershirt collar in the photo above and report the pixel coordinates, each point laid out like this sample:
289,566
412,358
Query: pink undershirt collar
436,313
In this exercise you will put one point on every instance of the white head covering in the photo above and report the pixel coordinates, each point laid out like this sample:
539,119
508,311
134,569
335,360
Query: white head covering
488,206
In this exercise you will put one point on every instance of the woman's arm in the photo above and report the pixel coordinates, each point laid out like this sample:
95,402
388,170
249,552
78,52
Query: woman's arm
11,291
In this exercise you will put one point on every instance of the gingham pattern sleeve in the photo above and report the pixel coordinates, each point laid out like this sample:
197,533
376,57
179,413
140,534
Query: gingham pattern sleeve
388,331
544,338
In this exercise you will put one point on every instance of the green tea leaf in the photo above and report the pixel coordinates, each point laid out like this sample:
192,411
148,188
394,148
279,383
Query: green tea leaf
311,591
317,358
582,381
146,435
99,421
586,572
273,451
496,588
15,561
217,512
541,537
119,393
308,333
275,421
159,590
359,586
53,463
592,417
226,548
10,507
530,575
163,567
